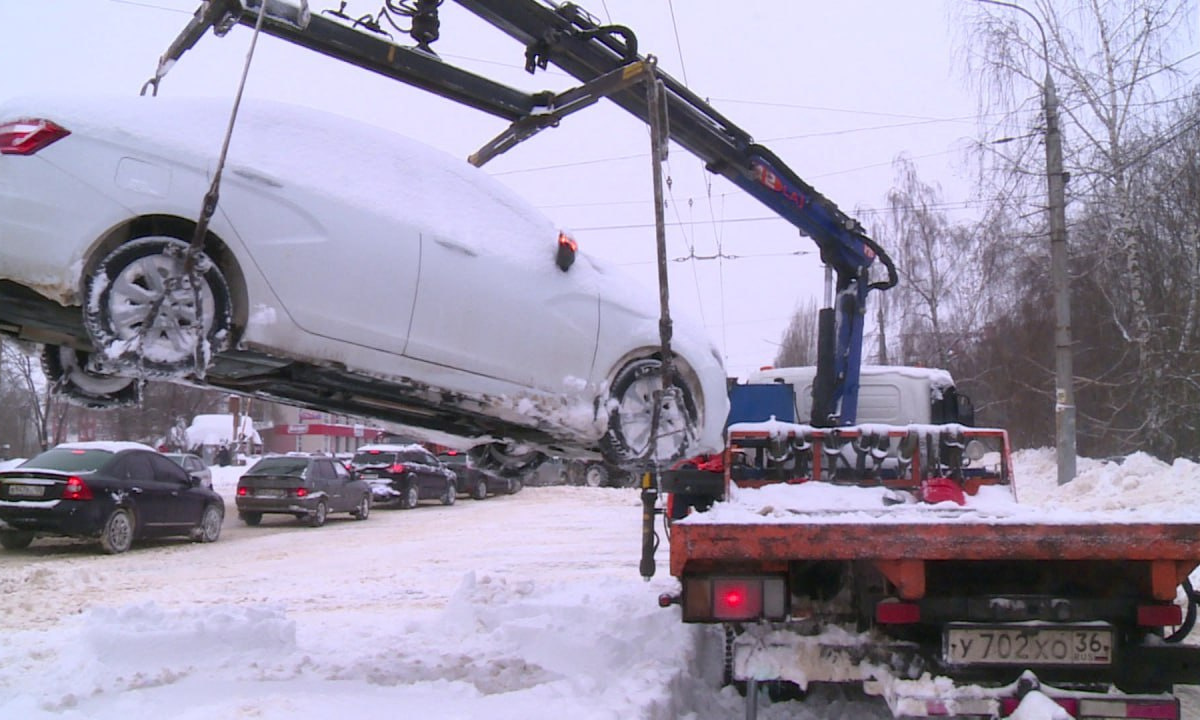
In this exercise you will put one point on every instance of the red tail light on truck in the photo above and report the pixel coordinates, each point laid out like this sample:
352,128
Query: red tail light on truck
734,598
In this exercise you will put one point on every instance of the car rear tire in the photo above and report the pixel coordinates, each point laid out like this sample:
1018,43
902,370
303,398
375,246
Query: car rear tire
67,371
364,508
117,535
629,424
411,496
450,494
15,539
250,518
317,519
209,529
481,489
145,314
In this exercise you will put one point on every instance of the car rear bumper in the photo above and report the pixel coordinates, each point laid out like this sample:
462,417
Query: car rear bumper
53,517
290,506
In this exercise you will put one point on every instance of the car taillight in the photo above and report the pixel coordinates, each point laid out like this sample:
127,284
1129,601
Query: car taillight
76,489
727,599
25,137
397,468
243,492
301,492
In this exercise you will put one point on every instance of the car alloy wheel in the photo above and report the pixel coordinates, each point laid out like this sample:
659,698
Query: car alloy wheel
480,490
210,525
450,494
630,424
317,518
364,508
595,476
412,496
144,313
117,536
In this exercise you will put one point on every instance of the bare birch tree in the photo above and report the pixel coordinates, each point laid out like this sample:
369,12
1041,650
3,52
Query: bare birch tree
1112,61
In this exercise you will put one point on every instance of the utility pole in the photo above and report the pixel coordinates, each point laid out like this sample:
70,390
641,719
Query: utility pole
1056,207
1064,391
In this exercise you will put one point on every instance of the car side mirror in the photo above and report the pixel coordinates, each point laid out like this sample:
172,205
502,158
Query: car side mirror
194,480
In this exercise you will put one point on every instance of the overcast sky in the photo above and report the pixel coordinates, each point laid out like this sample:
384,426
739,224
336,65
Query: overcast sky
837,90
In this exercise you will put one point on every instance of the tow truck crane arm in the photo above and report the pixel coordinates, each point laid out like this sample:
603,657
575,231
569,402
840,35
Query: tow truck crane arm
605,59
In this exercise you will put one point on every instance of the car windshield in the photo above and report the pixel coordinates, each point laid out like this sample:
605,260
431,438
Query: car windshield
374,457
453,459
69,460
178,459
279,466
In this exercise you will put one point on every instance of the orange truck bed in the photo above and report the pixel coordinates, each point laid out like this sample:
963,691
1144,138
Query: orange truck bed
902,548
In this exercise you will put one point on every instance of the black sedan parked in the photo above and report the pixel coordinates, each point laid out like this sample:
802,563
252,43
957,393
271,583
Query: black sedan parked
404,473
477,482
306,486
115,491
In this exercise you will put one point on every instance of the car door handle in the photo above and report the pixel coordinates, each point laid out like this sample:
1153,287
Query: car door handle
456,246
135,490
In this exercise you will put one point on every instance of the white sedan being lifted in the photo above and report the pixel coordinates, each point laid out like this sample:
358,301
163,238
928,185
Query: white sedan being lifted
345,268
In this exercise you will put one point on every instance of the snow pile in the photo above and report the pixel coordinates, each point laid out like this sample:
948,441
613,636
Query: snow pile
218,430
1139,488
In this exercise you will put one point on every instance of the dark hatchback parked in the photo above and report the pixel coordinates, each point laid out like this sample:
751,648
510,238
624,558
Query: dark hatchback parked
116,492
404,473
306,486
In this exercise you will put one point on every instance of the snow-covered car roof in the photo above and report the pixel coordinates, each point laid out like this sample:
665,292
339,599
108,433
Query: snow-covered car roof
391,447
112,446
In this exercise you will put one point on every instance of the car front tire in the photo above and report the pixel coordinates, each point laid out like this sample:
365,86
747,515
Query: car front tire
140,297
450,494
481,489
117,535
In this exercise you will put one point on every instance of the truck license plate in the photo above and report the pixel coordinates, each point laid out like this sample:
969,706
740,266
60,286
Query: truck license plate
1030,645
26,490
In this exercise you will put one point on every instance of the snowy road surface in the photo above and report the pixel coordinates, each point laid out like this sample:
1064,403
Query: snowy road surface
524,606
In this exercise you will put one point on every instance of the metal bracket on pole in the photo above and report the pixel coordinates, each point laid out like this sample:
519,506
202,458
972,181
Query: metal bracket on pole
559,106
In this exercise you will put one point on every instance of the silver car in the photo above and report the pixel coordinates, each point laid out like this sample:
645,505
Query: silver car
346,268
193,465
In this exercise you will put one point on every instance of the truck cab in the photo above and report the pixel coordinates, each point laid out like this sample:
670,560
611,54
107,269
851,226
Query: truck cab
887,394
